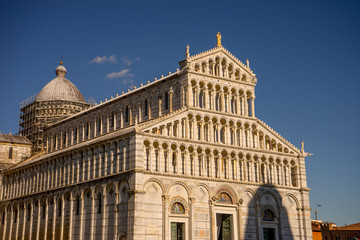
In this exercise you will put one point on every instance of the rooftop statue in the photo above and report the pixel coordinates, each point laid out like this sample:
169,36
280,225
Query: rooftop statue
187,51
218,37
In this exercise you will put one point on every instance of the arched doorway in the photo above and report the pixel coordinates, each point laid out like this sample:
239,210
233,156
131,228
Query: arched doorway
269,224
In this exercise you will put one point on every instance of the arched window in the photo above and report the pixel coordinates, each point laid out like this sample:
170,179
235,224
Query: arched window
197,67
203,67
268,215
217,102
201,99
222,135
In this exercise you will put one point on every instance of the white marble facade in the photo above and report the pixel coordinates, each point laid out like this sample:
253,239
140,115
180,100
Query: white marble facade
181,157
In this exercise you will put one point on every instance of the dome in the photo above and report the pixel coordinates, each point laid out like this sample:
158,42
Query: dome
60,89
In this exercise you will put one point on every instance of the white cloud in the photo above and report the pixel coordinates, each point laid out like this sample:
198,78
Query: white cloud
120,74
104,59
112,59
125,60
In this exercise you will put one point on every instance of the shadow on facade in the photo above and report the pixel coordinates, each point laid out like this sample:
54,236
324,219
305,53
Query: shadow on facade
267,216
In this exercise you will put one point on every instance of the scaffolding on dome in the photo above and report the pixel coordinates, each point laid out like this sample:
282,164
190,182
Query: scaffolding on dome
35,116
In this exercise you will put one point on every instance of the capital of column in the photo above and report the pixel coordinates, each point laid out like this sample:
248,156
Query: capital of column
165,197
191,200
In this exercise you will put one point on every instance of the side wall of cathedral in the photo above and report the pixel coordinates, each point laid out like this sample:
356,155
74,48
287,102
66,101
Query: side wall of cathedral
155,99
77,193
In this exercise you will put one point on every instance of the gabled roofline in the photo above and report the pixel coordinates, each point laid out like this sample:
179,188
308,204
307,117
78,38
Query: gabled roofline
230,55
270,129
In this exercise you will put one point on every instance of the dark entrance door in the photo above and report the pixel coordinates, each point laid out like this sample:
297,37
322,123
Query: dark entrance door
269,233
177,231
224,223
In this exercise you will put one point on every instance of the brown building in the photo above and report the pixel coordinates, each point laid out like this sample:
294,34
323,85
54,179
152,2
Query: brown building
330,231
316,229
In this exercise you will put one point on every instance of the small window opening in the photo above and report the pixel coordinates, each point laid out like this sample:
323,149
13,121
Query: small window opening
99,203
112,119
146,107
10,152
60,208
64,139
43,211
29,213
127,114
166,100
75,134
78,205
15,215
99,125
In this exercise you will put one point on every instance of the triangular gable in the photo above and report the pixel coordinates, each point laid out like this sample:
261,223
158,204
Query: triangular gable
221,52
277,137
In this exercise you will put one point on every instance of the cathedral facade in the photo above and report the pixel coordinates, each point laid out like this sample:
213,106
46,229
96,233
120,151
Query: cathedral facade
181,157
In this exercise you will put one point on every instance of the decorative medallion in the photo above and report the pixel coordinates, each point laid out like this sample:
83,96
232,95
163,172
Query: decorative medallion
178,206
224,198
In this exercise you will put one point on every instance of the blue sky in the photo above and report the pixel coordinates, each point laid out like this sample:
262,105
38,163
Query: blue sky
306,55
